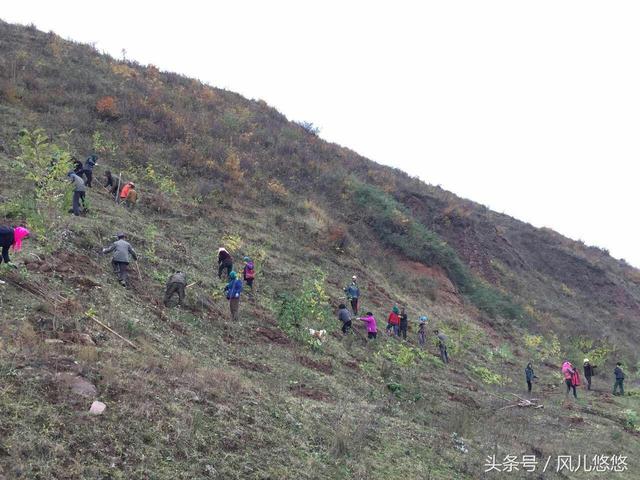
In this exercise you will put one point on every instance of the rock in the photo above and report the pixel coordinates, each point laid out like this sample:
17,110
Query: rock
78,385
53,341
97,408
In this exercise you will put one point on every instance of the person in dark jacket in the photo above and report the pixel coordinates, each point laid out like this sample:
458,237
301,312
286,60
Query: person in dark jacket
442,346
79,190
78,168
111,183
122,254
619,373
89,163
529,375
404,323
233,291
225,262
11,237
589,371
176,284
345,317
353,294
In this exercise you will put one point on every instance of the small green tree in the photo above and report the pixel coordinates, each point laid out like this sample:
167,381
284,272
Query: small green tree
306,308
46,164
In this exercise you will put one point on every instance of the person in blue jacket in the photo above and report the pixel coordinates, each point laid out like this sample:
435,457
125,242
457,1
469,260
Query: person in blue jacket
353,294
233,291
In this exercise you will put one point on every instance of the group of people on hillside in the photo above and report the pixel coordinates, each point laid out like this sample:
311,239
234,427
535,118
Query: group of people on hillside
81,178
397,321
572,376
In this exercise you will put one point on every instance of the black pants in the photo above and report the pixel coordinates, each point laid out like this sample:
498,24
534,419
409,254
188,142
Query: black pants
172,288
354,305
249,282
6,240
346,326
570,386
444,355
619,383
588,383
529,386
78,197
225,264
89,175
121,269
403,330
5,255
372,335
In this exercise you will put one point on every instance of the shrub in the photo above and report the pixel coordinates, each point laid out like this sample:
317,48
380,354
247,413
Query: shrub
307,308
489,377
107,108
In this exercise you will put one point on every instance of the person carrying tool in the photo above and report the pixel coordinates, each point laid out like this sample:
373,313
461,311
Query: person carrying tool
122,254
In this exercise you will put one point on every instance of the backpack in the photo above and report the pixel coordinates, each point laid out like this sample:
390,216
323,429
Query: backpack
249,272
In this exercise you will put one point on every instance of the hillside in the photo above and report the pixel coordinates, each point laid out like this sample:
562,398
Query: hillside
202,397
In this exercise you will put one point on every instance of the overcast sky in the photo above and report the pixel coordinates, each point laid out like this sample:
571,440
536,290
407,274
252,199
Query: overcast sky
531,108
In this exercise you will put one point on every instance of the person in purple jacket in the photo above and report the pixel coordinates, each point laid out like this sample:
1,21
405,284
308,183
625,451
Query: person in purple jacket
372,327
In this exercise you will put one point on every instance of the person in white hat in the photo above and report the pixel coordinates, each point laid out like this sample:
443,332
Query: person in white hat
353,294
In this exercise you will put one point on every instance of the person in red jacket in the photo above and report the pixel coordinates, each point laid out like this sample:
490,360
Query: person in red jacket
393,323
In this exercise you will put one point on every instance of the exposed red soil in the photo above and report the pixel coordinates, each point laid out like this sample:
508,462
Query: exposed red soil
301,390
321,366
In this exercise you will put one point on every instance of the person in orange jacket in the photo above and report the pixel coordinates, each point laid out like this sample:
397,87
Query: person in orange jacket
393,323
124,192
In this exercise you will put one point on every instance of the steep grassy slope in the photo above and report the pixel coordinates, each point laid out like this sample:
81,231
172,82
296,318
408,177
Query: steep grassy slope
204,398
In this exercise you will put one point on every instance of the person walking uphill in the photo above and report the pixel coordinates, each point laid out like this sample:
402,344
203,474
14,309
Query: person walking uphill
11,237
122,254
568,371
79,190
353,294
589,371
393,322
225,262
233,291
529,375
176,284
372,326
89,163
619,373
345,317
249,272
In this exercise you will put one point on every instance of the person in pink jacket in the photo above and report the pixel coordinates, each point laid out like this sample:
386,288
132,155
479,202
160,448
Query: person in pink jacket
11,237
567,371
372,327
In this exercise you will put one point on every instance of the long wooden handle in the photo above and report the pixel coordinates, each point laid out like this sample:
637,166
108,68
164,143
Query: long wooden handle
131,344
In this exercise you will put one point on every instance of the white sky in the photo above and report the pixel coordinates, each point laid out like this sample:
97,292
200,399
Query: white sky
531,108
